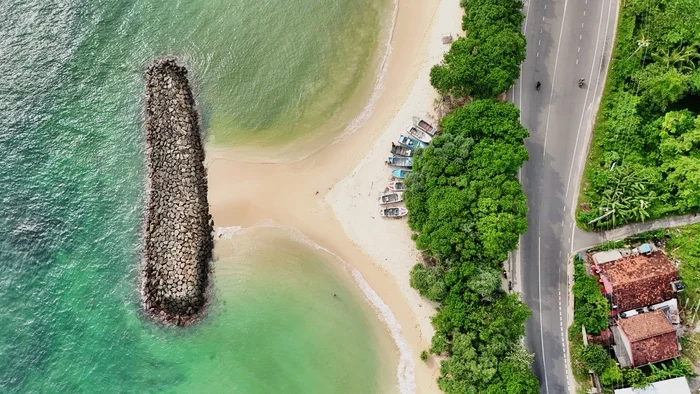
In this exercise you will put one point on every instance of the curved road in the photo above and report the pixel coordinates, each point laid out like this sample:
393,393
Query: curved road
566,40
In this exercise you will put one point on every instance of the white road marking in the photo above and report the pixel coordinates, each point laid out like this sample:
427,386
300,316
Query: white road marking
583,111
607,25
580,36
581,24
584,13
576,61
539,42
554,78
539,289
538,54
573,234
579,50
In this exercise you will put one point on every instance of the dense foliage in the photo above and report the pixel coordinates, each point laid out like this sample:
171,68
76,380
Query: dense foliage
644,160
684,245
486,62
468,209
592,308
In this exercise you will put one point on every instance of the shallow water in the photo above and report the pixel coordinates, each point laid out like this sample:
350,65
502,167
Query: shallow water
71,193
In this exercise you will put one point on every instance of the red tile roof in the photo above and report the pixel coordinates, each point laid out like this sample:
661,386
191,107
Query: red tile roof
639,281
652,338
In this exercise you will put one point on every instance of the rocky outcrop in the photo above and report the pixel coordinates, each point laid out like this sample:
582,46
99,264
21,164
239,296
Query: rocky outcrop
178,227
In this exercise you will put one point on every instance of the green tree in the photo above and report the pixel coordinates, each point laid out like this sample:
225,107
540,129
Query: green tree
467,209
595,358
480,68
428,281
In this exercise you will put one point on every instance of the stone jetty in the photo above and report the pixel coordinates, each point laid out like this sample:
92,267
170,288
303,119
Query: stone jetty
178,227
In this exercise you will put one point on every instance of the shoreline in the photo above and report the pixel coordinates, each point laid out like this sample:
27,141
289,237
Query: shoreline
318,196
357,108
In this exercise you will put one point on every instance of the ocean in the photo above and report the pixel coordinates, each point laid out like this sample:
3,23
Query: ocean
71,105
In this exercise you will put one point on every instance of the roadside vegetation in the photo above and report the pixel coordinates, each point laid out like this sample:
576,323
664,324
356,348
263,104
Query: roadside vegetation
643,161
486,62
468,210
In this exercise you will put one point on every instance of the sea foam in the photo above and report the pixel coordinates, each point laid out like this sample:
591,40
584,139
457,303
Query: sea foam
405,371
378,85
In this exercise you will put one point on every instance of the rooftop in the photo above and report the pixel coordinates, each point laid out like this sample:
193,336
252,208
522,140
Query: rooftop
639,281
669,386
652,338
645,325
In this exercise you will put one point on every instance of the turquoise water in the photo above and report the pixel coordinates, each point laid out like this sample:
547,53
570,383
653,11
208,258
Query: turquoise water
71,194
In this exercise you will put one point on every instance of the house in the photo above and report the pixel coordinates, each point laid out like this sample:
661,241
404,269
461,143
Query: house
669,386
645,338
638,281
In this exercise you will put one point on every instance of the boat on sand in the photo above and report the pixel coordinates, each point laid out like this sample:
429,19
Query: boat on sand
411,142
400,161
396,186
396,212
425,126
401,150
400,174
419,134
390,198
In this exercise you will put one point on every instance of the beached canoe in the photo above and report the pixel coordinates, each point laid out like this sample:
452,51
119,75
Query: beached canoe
397,186
419,134
400,161
396,212
390,198
425,126
400,174
401,150
411,142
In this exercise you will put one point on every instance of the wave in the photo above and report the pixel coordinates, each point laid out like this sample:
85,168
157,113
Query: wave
405,371
378,85
227,232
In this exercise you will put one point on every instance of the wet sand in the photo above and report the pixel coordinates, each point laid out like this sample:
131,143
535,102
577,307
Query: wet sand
331,195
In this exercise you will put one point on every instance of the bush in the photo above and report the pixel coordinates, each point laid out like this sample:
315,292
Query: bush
591,308
595,358
424,355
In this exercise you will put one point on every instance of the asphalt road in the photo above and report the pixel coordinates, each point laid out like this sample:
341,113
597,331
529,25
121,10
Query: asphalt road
566,40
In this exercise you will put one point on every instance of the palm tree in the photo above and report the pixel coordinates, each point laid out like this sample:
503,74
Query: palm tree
641,43
681,57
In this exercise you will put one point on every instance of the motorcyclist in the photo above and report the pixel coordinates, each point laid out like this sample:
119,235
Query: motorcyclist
537,86
581,81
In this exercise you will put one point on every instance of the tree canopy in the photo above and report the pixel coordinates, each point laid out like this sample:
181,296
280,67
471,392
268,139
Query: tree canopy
467,209
486,62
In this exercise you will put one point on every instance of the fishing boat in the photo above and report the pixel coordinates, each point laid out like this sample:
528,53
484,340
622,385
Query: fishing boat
401,150
400,174
419,134
425,126
390,198
399,161
397,186
396,212
411,142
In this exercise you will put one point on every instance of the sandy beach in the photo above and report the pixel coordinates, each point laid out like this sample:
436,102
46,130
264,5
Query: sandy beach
331,196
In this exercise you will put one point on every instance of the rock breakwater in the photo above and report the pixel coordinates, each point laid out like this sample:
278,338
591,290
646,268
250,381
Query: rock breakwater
178,227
